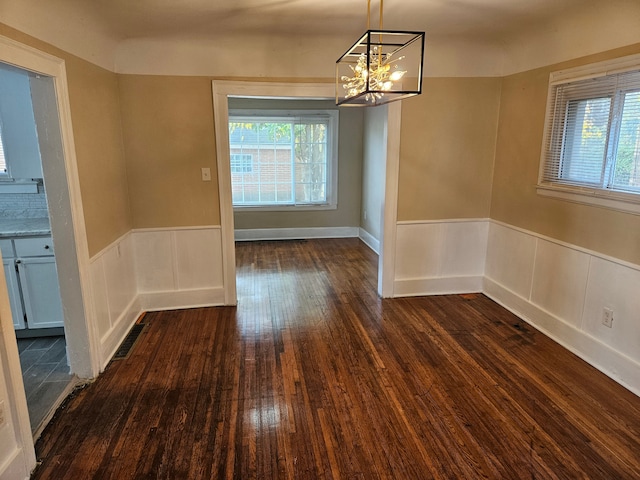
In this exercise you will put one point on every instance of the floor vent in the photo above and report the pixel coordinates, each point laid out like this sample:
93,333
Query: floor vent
130,340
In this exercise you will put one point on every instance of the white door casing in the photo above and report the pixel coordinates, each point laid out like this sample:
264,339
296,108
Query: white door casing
67,221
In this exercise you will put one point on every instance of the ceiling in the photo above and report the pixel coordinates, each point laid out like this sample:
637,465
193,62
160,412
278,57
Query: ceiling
127,19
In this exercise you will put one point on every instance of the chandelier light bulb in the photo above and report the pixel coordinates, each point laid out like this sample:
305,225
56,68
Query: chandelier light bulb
381,75
397,75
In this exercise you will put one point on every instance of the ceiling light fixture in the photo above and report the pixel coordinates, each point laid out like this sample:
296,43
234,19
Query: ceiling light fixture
381,67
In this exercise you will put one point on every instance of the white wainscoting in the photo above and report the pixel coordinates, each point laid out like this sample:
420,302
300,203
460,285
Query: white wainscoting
114,285
440,257
154,269
179,268
562,290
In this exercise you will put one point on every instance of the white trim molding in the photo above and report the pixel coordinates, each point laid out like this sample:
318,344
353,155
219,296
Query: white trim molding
176,300
612,200
370,241
295,233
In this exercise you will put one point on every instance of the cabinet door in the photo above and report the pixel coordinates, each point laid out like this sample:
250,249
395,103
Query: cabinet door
34,247
40,291
14,293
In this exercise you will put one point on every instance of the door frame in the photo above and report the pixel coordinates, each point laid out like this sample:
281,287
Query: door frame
222,90
72,251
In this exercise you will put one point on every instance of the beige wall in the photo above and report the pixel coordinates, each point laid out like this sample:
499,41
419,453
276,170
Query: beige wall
169,137
447,149
518,149
93,95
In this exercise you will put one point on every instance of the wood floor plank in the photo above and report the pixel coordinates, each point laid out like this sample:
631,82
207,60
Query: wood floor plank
313,376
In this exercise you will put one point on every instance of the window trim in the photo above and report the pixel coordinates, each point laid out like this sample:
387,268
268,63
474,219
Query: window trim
332,161
606,198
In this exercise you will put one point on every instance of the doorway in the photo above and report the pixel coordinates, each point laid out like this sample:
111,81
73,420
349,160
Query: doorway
26,242
70,244
222,90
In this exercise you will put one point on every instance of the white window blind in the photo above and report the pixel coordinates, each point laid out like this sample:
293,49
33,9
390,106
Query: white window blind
593,133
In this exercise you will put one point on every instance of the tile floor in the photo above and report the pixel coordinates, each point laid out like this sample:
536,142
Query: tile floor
45,373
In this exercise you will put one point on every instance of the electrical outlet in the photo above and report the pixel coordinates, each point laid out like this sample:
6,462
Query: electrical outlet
2,417
206,174
607,317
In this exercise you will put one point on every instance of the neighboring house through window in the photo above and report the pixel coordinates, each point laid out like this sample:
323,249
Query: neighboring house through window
241,163
283,158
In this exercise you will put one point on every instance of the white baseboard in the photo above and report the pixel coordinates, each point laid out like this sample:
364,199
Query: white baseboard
372,242
179,299
114,337
295,233
416,287
612,363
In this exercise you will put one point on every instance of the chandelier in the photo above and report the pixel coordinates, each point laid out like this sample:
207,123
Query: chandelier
381,67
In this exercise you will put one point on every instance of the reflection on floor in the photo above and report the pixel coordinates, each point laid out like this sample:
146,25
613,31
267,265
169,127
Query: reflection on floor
45,373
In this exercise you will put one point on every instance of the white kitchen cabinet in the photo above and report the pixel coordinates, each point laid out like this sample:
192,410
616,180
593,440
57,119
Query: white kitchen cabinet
34,247
40,291
13,289
32,282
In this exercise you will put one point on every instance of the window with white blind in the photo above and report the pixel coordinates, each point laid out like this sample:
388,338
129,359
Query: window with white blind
591,149
283,159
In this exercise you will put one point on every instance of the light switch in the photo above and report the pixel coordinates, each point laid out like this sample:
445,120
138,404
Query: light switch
206,174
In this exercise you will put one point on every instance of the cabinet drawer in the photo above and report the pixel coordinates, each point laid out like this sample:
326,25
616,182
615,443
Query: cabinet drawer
33,247
6,247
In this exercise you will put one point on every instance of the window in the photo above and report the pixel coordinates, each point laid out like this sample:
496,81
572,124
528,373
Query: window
283,159
241,163
592,136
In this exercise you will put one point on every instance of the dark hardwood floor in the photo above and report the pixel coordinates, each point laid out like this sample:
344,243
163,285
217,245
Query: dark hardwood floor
312,376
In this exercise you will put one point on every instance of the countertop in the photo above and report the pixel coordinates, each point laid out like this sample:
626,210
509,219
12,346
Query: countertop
24,227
